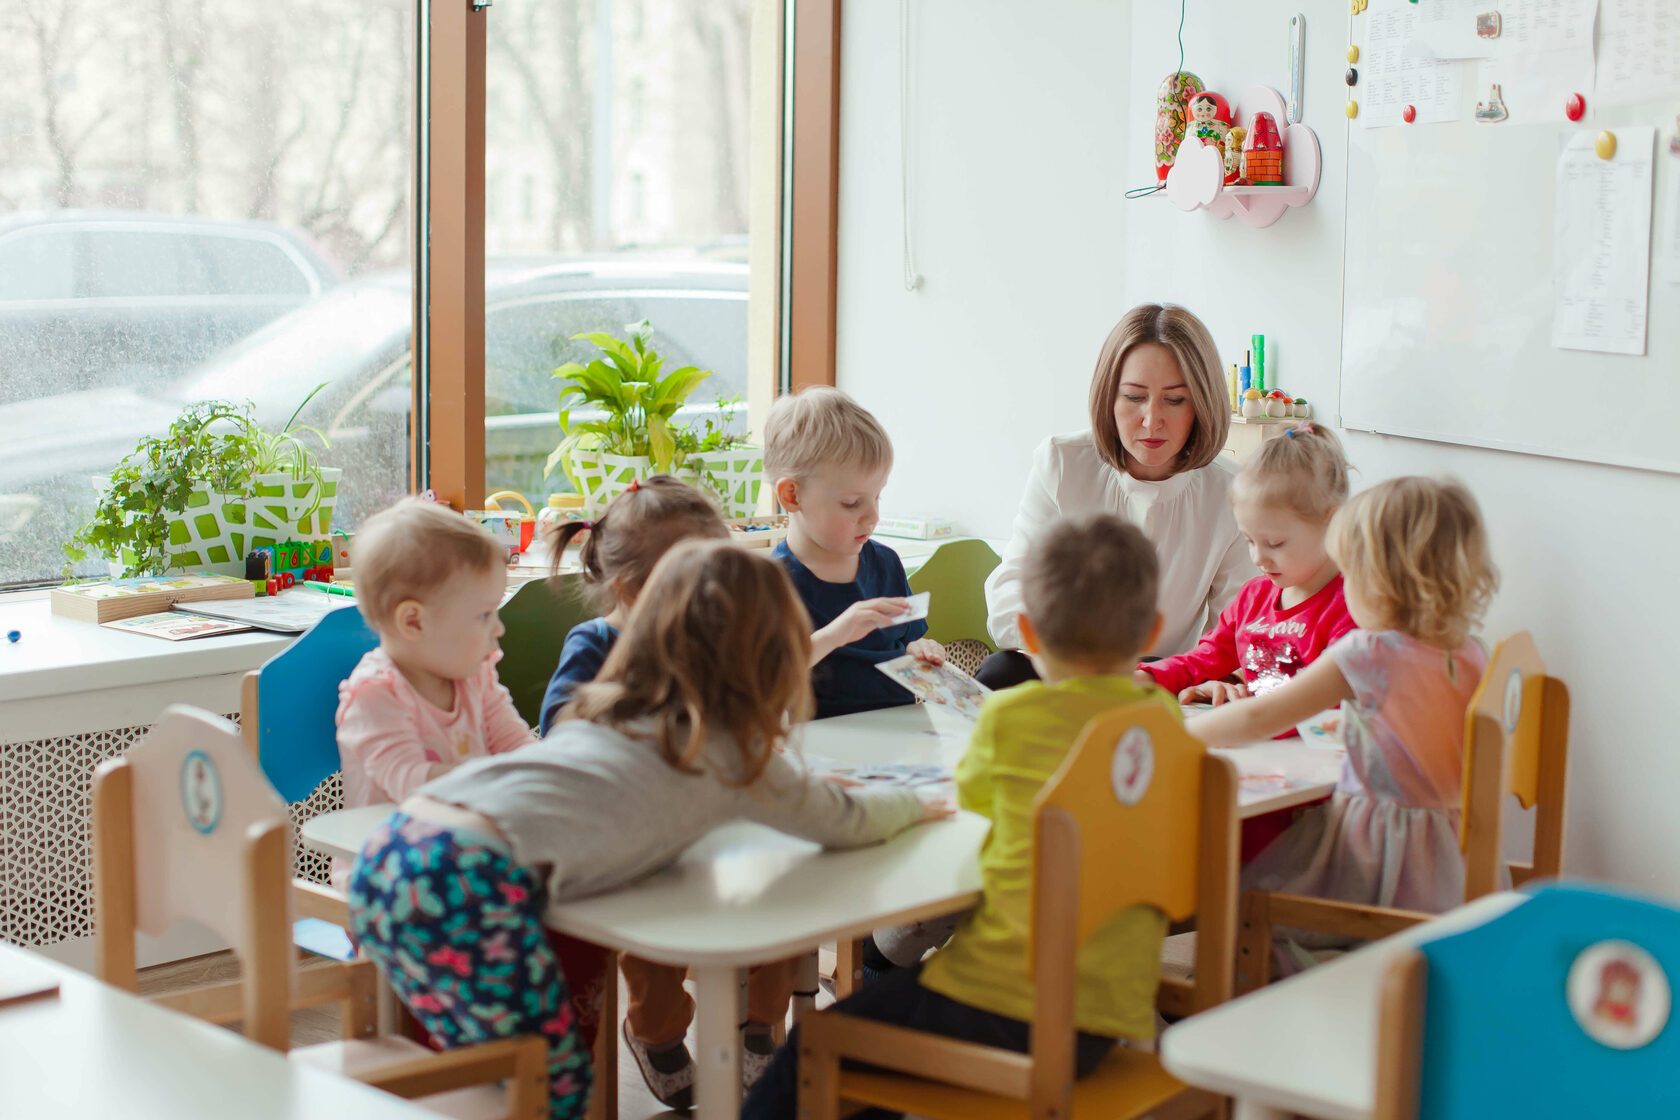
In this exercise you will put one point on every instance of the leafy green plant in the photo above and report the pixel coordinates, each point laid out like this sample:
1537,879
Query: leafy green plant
215,443
637,400
713,433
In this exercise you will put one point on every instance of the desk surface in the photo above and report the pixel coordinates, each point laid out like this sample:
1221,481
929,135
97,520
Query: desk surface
1307,1044
95,1052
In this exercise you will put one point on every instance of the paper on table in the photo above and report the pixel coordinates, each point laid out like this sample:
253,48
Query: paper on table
1601,258
1546,54
176,626
1397,73
290,612
1639,54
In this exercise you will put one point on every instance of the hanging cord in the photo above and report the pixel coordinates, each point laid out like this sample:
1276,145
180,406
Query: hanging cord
1145,192
912,278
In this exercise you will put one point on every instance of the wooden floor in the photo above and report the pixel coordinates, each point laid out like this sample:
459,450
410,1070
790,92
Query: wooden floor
320,1024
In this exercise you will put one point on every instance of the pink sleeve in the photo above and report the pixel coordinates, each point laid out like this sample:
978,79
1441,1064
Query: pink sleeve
1213,658
504,729
377,732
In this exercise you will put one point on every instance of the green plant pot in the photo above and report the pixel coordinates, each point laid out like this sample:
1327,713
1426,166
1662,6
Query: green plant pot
283,508
602,477
734,477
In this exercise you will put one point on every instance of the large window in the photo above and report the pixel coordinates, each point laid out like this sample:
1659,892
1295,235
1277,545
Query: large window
198,201
624,128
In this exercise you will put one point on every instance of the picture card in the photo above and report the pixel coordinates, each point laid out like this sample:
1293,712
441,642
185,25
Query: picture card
938,686
176,627
918,608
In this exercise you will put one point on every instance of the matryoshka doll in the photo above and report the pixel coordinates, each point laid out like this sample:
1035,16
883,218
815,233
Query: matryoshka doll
1176,88
1210,119
1263,152
1233,154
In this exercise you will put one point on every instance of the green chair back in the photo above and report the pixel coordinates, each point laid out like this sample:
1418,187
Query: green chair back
956,575
538,617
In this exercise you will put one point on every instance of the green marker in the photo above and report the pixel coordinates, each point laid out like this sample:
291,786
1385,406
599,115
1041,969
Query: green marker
1258,344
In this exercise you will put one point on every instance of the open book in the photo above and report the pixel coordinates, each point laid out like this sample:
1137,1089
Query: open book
940,685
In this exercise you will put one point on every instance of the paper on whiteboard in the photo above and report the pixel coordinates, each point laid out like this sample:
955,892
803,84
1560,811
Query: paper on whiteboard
1397,73
1671,208
1639,51
1545,55
1601,256
1447,29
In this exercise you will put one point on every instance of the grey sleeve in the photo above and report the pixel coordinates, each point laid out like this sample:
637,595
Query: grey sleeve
789,799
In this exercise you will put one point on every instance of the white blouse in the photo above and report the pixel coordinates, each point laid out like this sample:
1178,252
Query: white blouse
1204,559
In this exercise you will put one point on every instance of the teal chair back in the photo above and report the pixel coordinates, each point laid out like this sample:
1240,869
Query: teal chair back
295,730
1558,1007
538,617
956,575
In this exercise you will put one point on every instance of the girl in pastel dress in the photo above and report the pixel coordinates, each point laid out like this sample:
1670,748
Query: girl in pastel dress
1418,578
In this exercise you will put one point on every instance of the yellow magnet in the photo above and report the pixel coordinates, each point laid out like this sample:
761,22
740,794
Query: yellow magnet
1359,6
1353,54
1605,145
1352,109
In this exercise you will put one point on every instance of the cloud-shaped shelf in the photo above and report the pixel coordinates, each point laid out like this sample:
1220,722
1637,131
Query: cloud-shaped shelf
1197,178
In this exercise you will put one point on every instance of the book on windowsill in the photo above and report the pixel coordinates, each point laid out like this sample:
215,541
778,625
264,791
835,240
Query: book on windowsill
109,600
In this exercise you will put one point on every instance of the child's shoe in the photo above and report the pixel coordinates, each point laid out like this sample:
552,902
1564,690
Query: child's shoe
669,1072
757,1048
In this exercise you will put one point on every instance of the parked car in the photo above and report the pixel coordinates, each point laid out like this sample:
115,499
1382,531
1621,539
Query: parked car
356,338
95,298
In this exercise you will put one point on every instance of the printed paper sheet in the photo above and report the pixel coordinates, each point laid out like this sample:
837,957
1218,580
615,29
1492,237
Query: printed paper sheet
1601,255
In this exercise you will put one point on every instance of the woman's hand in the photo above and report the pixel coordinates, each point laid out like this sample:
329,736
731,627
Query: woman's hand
1213,692
926,649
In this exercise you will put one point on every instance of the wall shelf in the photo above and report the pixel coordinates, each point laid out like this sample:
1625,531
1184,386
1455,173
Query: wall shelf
1197,178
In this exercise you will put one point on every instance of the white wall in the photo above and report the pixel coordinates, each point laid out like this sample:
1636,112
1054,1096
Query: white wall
1018,122
1029,122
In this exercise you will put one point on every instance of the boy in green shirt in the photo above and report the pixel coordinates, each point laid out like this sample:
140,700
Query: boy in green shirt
1089,588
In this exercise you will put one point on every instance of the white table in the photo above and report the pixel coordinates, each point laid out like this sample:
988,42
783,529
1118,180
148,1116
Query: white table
92,1052
1308,1044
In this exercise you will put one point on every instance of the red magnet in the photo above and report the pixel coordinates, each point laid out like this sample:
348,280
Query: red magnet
1409,114
1576,107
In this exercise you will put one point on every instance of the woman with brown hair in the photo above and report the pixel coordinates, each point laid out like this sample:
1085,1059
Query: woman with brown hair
1159,417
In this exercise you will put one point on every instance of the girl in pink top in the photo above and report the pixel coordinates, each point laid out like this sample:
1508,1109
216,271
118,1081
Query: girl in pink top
1418,581
1284,618
429,583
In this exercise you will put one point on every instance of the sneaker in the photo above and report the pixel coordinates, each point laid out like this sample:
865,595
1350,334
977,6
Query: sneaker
669,1073
757,1048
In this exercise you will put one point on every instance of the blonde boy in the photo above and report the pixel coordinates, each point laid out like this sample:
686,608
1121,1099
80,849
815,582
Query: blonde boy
1088,588
828,459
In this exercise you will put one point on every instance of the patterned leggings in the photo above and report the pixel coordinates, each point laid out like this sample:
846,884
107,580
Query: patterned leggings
456,927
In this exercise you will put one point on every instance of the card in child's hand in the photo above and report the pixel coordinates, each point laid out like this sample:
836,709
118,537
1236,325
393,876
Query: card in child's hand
918,608
940,685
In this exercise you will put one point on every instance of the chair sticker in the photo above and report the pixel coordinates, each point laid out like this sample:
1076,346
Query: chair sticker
201,792
1513,700
1132,766
1618,994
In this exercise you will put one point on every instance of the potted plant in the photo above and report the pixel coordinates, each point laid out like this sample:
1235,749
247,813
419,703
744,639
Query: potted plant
632,433
216,485
716,457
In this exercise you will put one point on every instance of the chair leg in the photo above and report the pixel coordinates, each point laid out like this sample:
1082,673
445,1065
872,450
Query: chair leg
603,1102
1254,942
848,967
819,1073
805,987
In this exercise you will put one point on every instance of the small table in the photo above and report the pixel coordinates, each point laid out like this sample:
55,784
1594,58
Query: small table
1307,1044
92,1051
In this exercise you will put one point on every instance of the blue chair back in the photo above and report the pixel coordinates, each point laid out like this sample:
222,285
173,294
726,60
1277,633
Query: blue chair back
297,702
1537,1012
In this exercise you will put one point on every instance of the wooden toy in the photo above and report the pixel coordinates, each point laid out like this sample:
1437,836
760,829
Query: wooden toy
1233,154
1275,404
1210,118
1263,151
1170,119
1301,410
1251,403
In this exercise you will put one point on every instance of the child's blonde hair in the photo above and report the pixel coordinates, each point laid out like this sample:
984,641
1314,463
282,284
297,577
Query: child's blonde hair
718,643
1089,586
410,549
633,532
1304,471
1415,554
821,427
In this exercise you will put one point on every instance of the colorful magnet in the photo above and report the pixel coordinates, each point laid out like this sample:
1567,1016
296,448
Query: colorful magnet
1487,25
1492,110
1353,54
1605,145
1409,114
1351,77
1359,6
1576,107
1352,110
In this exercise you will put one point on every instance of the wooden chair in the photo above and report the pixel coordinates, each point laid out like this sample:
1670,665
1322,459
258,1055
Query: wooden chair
1565,982
1182,829
1516,735
956,575
537,617
186,828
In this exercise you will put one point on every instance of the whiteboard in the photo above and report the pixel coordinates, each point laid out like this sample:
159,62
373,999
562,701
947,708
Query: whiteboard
1447,296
